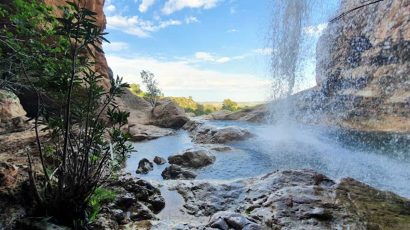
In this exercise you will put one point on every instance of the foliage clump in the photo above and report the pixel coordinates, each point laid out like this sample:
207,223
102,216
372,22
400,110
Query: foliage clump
153,91
55,58
230,105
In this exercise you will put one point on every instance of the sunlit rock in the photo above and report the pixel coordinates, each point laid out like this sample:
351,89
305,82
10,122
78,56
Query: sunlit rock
192,158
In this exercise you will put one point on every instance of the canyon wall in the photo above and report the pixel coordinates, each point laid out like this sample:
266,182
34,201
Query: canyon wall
96,6
363,65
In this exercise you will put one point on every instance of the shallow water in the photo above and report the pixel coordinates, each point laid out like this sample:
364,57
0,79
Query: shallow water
381,161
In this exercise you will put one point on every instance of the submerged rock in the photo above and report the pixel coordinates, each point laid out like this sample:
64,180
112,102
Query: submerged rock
159,160
173,172
193,158
144,166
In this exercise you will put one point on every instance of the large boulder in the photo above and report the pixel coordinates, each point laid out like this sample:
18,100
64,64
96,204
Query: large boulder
193,158
173,172
140,132
167,114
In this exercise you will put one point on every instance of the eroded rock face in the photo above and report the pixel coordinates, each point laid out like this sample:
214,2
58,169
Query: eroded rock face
363,66
294,199
193,158
167,114
207,134
175,172
96,6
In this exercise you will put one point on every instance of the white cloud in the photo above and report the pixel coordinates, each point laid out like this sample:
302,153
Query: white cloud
315,30
110,8
178,77
172,6
191,19
145,5
137,26
115,46
208,57
263,51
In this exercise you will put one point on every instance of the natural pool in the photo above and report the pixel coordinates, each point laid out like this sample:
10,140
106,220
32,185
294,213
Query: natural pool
382,161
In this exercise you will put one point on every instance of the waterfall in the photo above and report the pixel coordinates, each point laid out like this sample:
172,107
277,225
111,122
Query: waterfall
289,19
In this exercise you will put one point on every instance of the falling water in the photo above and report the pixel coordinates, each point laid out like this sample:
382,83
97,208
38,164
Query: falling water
289,18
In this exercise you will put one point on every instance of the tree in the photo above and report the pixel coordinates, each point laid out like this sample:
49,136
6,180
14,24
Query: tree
136,90
230,105
153,91
84,124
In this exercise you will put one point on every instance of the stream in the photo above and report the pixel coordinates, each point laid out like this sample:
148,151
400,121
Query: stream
380,160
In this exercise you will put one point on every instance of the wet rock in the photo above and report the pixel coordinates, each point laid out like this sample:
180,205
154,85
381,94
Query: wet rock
362,67
159,160
125,200
228,220
142,213
173,172
294,199
193,158
167,114
157,203
219,224
144,166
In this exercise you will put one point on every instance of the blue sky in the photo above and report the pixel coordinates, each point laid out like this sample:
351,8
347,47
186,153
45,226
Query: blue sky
207,49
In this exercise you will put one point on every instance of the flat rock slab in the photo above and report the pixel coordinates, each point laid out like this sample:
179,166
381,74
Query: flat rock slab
294,199
207,134
140,132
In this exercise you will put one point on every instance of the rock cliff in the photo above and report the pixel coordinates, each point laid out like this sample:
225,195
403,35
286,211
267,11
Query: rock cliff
363,65
96,6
